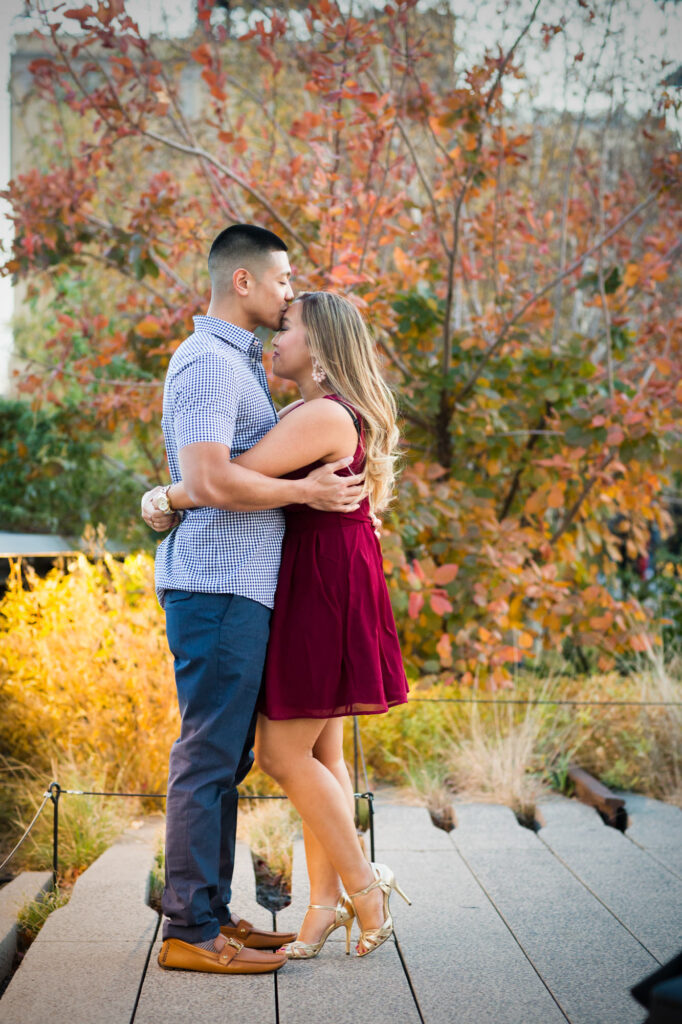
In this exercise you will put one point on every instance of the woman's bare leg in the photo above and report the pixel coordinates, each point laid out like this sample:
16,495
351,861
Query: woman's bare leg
323,798
325,883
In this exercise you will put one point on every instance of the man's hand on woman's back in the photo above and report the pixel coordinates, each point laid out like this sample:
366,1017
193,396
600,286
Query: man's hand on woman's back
330,493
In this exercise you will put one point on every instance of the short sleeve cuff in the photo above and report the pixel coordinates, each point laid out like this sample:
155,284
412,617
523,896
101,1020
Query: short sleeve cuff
204,425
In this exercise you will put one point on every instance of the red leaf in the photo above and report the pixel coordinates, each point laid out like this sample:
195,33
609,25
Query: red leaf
418,571
440,604
445,573
415,604
79,13
202,54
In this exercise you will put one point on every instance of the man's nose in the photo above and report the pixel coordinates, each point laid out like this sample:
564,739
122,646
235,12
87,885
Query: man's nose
289,294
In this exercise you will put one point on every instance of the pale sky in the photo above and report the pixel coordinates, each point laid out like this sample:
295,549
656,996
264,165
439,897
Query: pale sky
643,33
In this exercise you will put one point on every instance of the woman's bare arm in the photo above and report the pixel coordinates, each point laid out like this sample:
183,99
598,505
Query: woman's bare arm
318,430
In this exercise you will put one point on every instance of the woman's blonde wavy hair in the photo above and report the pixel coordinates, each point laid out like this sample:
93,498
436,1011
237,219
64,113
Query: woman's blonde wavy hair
338,338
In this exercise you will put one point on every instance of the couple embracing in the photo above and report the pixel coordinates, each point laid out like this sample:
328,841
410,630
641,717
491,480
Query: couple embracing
277,612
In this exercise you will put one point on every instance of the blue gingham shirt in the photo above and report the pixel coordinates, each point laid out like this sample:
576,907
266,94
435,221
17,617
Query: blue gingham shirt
216,390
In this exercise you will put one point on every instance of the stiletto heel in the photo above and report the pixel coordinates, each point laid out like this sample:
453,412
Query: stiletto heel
343,915
349,929
372,938
401,893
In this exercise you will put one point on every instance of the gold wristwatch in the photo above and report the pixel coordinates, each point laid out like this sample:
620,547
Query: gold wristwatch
162,501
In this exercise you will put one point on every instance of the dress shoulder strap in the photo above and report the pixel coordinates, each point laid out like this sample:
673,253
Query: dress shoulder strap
349,409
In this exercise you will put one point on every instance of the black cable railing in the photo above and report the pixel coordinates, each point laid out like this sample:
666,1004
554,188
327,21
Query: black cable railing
55,792
548,700
46,797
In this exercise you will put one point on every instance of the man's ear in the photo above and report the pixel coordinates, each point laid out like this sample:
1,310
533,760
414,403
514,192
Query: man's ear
241,281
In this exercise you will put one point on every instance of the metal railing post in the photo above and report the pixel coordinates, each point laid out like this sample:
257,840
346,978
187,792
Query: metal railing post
55,790
370,805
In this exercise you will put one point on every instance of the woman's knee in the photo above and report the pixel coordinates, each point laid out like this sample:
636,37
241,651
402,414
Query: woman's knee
264,757
333,761
270,759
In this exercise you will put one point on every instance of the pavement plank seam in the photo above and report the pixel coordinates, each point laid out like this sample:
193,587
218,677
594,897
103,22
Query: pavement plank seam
408,976
511,931
652,854
145,969
598,898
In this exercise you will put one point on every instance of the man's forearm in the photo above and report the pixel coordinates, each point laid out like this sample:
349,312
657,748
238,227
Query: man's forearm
240,490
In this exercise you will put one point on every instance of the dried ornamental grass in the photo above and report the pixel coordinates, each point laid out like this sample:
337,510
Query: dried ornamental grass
498,764
88,825
269,828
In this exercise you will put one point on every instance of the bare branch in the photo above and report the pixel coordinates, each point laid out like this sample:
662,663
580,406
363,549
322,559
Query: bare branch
156,259
201,154
572,512
418,167
515,317
567,179
447,334
533,439
57,370
386,345
169,272
119,269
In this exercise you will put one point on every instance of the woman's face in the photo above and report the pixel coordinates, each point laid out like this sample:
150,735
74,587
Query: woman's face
291,356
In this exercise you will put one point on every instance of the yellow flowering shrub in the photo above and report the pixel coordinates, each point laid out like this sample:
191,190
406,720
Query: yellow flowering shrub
86,681
85,670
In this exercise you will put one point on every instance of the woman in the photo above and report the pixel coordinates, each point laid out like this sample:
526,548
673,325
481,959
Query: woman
333,649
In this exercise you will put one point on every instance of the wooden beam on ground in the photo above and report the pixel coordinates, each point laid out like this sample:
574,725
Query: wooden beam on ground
593,792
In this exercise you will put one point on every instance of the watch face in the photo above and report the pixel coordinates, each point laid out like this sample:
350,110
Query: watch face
162,503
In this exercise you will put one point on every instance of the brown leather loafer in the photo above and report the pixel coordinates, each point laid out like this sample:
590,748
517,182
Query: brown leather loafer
254,938
176,955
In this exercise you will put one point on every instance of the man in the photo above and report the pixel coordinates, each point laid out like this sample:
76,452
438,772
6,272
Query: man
215,576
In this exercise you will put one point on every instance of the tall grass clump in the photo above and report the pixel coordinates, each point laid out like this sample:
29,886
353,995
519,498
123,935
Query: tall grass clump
88,825
664,727
35,913
499,763
428,781
269,828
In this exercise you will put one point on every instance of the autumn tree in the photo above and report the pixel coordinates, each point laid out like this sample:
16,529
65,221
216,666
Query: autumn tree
518,273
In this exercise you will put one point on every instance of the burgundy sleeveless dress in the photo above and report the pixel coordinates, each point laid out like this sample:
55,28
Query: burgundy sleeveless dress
333,647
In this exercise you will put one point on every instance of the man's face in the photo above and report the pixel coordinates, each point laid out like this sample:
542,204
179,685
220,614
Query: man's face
271,292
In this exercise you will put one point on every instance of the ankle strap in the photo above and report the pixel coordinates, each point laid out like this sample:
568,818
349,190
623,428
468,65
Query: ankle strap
368,888
318,906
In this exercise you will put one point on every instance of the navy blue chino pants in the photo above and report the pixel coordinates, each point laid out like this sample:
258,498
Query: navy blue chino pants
218,642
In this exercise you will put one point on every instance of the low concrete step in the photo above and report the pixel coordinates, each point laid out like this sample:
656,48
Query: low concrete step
87,961
14,896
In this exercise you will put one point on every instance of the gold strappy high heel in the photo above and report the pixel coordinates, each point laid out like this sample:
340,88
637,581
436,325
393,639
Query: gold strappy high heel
372,938
344,915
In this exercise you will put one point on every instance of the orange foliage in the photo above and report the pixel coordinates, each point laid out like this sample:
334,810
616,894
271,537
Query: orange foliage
525,301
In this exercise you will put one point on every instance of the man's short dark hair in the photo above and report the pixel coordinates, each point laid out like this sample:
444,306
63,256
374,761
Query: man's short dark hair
241,245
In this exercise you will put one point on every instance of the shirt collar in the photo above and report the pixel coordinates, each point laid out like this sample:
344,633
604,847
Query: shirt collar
237,336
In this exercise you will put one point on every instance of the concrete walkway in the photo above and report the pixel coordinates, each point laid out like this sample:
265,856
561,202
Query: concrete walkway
507,926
